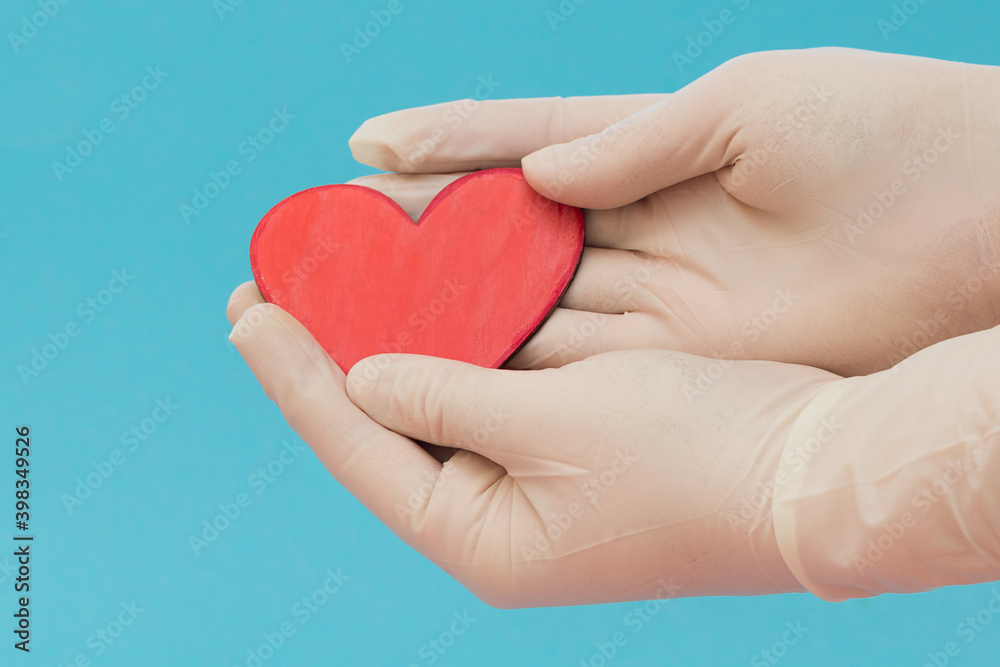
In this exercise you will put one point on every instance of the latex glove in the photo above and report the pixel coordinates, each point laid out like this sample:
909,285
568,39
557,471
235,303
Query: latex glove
892,479
830,207
604,480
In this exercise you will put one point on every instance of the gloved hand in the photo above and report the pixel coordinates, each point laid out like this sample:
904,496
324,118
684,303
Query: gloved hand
605,480
829,207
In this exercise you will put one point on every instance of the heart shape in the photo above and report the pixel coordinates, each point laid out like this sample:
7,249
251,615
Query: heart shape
477,274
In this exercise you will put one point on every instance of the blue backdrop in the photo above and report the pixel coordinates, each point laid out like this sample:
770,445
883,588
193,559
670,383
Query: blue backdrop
119,249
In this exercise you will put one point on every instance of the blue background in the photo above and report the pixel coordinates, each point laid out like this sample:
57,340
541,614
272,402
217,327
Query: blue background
164,335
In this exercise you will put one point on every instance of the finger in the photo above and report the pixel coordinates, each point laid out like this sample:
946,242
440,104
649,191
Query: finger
441,401
689,133
379,467
572,335
663,223
468,134
243,297
607,281
412,192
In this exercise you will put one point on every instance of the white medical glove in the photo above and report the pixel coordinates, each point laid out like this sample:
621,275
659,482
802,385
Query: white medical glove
613,479
830,207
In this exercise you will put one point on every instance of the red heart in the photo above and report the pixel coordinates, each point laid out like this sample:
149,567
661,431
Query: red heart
471,280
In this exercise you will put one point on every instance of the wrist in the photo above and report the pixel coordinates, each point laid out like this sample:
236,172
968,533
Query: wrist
901,499
814,431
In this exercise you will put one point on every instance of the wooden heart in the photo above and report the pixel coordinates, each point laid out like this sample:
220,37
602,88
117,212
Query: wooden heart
477,274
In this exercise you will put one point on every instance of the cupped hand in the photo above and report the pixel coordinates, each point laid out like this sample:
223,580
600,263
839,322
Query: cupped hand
829,207
604,480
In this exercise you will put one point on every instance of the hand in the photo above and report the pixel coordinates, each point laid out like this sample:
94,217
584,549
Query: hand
605,481
596,482
829,207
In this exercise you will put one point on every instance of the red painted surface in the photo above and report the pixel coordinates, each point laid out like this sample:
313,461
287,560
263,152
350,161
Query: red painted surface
472,280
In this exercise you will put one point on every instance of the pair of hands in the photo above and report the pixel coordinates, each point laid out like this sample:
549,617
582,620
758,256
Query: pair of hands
829,211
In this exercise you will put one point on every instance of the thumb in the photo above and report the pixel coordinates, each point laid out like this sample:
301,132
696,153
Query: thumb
690,133
439,401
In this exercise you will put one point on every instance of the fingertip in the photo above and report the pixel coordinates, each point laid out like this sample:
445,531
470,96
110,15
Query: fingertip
361,141
368,149
540,171
542,158
249,322
574,174
364,376
242,298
